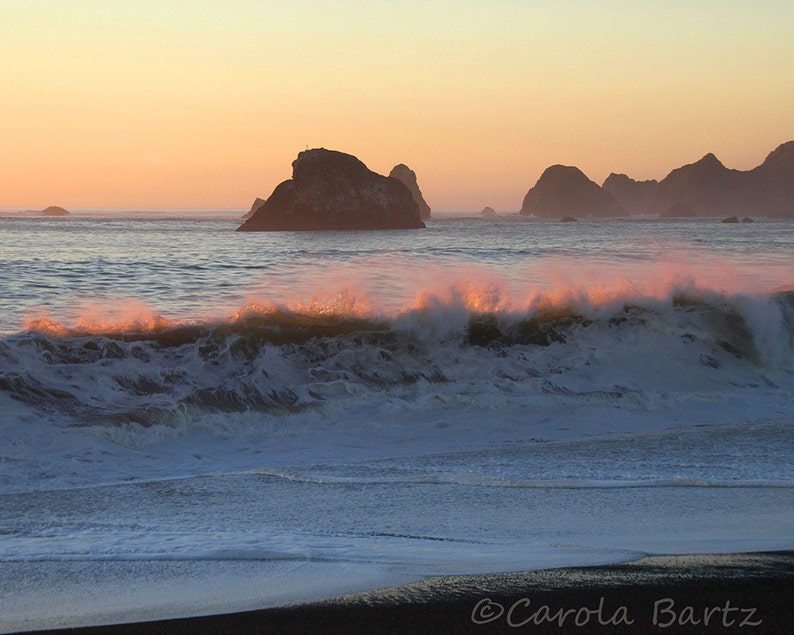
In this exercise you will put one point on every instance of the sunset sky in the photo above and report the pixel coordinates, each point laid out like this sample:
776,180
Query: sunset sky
205,104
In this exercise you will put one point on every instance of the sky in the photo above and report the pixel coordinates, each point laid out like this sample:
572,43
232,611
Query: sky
205,104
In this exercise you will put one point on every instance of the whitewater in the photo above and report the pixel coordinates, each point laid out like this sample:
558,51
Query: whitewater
194,420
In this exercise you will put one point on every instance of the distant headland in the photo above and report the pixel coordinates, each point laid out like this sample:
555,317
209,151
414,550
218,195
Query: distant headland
704,188
708,188
331,190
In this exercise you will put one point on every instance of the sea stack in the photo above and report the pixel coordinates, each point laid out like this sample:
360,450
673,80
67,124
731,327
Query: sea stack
565,191
403,173
331,190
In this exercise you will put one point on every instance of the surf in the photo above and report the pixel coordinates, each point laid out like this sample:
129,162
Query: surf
281,359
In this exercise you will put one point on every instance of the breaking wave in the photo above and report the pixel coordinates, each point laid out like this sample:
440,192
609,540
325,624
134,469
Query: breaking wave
626,352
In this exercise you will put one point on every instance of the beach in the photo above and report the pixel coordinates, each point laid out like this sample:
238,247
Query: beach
665,594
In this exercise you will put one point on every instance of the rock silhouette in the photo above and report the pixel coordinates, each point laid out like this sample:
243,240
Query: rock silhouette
54,210
633,196
711,189
403,173
258,202
565,191
331,190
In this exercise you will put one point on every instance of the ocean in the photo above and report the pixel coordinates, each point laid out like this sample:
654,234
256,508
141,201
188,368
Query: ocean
196,420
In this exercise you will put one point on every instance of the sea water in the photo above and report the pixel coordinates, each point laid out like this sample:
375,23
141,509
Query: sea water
196,420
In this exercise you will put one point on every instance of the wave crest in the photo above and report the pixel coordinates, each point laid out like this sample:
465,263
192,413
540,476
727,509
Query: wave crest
629,353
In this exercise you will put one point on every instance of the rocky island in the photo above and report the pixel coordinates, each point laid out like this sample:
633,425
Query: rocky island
54,210
565,191
331,190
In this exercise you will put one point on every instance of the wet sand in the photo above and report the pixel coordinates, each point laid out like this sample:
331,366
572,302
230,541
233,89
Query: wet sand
748,593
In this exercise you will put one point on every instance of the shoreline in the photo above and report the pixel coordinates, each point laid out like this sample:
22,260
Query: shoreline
742,592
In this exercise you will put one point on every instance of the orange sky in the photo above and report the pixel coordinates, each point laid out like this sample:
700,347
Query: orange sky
206,104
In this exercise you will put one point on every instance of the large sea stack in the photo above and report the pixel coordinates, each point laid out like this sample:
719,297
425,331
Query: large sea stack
333,190
565,191
711,189
403,173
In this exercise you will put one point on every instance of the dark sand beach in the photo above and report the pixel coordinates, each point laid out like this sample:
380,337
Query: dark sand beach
747,593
